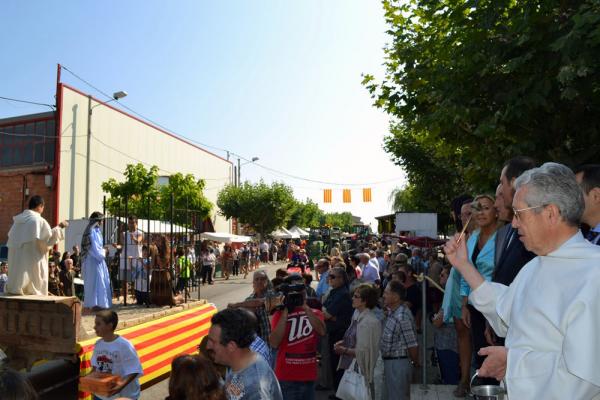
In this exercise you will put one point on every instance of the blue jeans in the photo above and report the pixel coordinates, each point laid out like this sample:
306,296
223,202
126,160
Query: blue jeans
293,390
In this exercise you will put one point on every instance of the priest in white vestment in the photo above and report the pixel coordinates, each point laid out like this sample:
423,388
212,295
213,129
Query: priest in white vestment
550,314
28,241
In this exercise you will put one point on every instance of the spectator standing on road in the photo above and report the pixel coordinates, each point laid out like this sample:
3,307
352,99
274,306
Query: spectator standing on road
257,302
249,376
399,346
208,260
588,177
338,314
227,261
323,287
361,340
295,333
264,251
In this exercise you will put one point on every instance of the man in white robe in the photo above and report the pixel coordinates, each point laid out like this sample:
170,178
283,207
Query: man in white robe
28,241
550,314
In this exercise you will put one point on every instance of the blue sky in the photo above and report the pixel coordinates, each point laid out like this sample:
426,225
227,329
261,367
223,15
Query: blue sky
279,80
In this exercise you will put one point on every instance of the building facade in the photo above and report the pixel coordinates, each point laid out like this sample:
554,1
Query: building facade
65,156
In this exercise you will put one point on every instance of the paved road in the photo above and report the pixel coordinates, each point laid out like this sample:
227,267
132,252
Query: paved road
221,293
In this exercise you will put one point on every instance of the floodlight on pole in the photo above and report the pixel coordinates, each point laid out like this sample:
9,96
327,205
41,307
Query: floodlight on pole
116,96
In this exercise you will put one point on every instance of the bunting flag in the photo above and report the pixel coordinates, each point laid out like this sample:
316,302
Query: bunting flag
347,198
327,196
367,195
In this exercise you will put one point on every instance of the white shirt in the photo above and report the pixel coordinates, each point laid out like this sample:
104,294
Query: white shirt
118,358
550,316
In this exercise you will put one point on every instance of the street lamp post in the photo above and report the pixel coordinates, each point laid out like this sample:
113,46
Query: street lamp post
239,169
116,97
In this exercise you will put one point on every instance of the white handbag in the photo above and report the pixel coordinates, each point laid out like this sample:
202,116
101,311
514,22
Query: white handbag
353,385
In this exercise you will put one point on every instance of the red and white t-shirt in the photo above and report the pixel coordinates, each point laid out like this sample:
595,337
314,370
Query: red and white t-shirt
297,353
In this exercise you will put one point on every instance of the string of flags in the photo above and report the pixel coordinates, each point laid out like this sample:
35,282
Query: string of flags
347,195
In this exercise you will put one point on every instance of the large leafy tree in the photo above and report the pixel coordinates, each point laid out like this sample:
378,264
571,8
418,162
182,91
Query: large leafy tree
146,199
262,207
342,220
306,215
470,84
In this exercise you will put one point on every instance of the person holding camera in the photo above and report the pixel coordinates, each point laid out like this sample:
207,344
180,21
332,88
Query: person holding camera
295,334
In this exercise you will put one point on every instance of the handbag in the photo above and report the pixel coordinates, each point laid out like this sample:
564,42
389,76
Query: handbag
353,385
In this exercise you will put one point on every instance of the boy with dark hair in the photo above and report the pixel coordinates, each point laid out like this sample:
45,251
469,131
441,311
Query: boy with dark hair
116,355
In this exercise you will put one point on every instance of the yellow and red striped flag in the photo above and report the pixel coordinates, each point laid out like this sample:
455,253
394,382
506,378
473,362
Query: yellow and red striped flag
327,196
367,195
347,198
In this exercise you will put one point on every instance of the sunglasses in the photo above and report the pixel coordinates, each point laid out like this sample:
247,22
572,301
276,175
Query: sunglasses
331,277
357,296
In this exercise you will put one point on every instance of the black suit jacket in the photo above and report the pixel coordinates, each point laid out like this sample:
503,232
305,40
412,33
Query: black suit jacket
512,257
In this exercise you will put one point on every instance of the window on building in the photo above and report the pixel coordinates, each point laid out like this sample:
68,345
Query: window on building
27,143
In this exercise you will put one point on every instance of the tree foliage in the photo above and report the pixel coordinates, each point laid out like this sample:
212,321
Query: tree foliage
262,207
342,220
470,84
306,215
146,199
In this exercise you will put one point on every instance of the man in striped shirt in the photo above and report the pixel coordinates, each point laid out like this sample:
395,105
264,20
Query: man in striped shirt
398,345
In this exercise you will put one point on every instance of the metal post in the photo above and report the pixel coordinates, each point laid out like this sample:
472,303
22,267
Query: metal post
424,330
149,270
87,158
124,251
239,174
171,226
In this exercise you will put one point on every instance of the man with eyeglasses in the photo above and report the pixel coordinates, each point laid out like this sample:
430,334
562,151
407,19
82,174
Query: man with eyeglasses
550,313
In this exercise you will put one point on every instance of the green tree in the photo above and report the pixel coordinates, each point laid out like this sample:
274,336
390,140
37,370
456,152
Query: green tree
472,84
342,220
262,207
306,215
187,194
139,187
142,192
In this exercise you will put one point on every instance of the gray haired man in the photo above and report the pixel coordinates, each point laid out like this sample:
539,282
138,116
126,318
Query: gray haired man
550,312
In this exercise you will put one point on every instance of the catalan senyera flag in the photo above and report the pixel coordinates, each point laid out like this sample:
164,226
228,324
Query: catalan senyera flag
347,197
327,196
367,195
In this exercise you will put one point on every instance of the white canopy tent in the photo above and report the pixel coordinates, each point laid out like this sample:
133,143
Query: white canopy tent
283,233
299,231
224,237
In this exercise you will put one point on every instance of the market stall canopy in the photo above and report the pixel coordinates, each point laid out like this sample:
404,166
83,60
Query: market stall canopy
301,232
283,233
224,237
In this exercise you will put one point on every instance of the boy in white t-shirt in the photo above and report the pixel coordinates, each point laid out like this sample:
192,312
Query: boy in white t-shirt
116,355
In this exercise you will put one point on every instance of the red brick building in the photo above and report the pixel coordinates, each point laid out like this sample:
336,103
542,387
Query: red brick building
27,154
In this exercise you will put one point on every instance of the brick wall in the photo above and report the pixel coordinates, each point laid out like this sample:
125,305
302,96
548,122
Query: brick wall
13,200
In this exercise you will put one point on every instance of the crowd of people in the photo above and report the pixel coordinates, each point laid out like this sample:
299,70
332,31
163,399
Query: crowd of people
519,303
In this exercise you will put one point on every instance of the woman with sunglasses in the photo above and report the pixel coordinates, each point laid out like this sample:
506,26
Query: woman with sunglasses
361,340
481,247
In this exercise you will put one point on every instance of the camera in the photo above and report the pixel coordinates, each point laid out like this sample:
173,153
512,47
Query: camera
293,295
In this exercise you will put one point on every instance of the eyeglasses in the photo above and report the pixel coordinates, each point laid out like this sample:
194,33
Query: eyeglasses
520,210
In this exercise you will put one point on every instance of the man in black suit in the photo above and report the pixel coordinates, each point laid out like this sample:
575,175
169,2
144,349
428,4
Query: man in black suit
511,254
588,177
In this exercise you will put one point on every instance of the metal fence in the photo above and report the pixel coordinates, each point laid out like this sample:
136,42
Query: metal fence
153,258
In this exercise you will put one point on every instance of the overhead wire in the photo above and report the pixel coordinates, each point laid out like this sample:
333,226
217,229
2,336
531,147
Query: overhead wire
28,102
272,170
